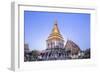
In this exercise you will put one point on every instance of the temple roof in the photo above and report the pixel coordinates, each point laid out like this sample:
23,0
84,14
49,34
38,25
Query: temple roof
55,34
72,46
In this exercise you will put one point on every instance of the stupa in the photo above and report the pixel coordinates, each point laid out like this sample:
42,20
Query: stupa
55,39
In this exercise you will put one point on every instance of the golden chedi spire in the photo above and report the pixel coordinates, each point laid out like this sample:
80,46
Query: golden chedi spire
55,39
55,34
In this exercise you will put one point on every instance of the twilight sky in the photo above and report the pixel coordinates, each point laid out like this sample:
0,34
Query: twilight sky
73,26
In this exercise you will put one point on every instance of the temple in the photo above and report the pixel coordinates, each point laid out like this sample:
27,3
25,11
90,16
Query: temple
55,49
55,39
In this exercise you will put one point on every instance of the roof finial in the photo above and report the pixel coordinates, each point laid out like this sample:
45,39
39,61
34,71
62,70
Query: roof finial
55,21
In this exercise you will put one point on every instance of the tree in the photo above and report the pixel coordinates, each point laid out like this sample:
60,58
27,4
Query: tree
87,53
35,54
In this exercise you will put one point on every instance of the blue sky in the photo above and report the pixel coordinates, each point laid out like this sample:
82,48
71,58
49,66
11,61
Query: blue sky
73,26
